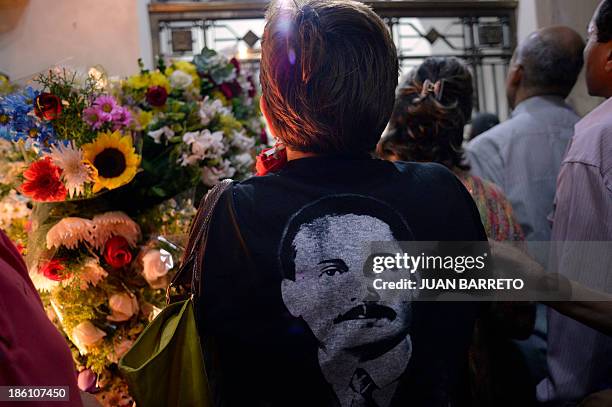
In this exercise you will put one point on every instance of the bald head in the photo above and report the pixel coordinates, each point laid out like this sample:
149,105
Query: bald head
551,60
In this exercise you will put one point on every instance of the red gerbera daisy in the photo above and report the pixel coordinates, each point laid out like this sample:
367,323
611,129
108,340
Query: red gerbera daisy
42,182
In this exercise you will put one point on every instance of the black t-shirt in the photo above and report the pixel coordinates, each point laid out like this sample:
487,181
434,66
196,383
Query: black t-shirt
281,317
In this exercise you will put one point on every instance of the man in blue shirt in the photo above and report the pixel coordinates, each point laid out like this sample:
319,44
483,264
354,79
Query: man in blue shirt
523,154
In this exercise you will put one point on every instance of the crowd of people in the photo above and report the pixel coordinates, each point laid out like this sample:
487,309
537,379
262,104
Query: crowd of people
283,316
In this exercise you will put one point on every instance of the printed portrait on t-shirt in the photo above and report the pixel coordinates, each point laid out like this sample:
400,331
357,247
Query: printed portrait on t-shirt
364,341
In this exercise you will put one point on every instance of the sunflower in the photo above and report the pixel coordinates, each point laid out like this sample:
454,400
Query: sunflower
114,158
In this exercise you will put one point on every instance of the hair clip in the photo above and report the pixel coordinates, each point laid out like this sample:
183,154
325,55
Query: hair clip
433,88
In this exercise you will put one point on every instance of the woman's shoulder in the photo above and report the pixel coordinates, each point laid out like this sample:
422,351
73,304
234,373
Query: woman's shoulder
432,175
422,169
498,216
427,173
485,192
256,188
423,184
486,188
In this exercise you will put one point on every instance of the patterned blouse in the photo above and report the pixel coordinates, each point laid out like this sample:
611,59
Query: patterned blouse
495,209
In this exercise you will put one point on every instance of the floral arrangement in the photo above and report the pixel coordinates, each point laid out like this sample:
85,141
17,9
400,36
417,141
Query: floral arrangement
203,116
14,208
101,176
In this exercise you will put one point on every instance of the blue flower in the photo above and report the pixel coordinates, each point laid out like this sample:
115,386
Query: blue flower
22,127
19,103
31,94
19,123
4,117
46,135
5,121
5,133
28,127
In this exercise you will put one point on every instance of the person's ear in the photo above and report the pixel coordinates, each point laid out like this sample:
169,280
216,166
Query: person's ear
262,107
291,297
515,76
264,111
608,66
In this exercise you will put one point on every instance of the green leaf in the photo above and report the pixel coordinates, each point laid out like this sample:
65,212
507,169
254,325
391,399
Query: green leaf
158,191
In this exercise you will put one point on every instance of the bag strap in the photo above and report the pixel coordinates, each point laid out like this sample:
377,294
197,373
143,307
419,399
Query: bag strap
198,234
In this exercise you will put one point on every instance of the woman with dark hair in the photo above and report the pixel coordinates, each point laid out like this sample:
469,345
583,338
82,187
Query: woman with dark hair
287,315
433,105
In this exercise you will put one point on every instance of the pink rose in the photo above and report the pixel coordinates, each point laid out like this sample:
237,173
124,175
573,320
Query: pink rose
155,266
85,335
91,274
123,306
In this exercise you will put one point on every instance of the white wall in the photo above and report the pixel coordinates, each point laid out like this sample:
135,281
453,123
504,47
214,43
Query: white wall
38,34
526,19
144,33
534,14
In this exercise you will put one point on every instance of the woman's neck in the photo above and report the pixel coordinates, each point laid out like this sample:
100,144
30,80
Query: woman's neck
296,155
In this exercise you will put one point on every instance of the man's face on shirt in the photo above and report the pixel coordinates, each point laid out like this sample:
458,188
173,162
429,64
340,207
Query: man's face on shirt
330,291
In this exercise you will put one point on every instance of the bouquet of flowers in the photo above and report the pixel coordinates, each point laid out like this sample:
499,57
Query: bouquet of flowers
14,207
109,168
202,115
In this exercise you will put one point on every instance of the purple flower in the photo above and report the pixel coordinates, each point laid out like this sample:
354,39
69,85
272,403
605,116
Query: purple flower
122,117
93,116
105,109
107,106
